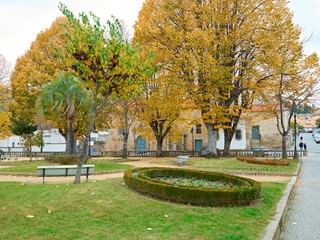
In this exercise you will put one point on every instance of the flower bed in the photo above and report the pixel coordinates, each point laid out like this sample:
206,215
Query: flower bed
197,182
264,161
148,181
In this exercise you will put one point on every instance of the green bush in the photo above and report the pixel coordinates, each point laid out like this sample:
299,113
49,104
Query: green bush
64,159
144,180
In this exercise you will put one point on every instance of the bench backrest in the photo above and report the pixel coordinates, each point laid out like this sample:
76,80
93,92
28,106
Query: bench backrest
67,170
182,157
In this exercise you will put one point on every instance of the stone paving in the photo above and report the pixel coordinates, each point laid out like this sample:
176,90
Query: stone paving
302,221
303,218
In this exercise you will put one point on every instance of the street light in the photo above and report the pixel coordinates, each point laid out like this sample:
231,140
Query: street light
294,109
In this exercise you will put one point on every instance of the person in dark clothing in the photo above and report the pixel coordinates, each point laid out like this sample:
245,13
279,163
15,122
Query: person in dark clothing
301,145
305,146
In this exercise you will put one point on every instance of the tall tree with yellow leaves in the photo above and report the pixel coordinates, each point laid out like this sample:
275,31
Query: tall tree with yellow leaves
216,48
38,66
5,69
294,75
160,107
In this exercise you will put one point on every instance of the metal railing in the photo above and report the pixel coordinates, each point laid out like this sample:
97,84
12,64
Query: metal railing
275,153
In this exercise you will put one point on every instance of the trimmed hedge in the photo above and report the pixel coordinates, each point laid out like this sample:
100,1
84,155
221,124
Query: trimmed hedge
264,161
64,159
143,180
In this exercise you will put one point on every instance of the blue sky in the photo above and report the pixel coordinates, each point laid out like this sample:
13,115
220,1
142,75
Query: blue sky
22,20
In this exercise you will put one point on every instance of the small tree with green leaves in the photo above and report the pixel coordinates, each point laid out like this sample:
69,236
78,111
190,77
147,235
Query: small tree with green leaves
105,61
60,99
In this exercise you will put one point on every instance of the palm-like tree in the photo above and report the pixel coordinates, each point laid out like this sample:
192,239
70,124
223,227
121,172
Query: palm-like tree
60,99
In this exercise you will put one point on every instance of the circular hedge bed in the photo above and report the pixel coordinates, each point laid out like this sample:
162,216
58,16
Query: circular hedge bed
236,191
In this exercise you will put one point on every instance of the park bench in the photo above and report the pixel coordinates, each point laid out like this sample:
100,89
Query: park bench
181,160
66,170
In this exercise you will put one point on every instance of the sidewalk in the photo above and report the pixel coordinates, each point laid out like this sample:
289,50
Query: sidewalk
302,221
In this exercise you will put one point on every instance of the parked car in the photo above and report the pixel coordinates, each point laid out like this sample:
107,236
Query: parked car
308,130
316,137
316,131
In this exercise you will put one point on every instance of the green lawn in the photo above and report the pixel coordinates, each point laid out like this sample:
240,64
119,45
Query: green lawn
221,164
231,164
31,166
110,210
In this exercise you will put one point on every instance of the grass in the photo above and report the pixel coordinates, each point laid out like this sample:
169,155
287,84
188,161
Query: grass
110,210
231,164
31,166
221,164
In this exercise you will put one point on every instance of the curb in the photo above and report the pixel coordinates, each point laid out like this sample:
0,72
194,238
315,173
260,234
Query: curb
273,229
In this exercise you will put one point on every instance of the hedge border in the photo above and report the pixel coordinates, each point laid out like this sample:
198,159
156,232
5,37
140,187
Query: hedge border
64,159
267,161
142,180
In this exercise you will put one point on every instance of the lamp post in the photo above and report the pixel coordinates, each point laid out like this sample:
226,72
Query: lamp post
294,109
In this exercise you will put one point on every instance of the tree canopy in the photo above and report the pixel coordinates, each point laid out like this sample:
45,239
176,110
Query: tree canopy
39,65
104,60
219,50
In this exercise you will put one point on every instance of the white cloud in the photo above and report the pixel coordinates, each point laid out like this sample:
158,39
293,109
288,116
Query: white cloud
21,21
307,15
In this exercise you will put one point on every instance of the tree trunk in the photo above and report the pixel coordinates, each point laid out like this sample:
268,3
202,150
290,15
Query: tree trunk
70,137
227,143
284,147
212,140
84,151
125,145
125,131
159,146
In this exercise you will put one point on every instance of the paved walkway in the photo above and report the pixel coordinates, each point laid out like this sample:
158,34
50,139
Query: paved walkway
303,218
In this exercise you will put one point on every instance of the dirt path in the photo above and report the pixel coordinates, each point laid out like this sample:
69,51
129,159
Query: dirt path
99,177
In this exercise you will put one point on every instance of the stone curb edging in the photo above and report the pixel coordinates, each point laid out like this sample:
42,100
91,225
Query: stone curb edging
273,229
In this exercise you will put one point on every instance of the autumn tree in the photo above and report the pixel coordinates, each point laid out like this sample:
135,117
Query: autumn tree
5,97
218,49
38,66
293,75
5,69
125,115
160,107
60,99
106,63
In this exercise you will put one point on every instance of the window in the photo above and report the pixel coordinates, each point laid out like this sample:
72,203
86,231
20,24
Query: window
255,133
238,134
198,129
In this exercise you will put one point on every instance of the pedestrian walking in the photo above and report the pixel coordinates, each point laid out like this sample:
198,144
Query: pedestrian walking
305,146
301,145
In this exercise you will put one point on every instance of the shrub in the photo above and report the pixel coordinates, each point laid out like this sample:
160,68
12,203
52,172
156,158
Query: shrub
64,159
264,161
144,181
